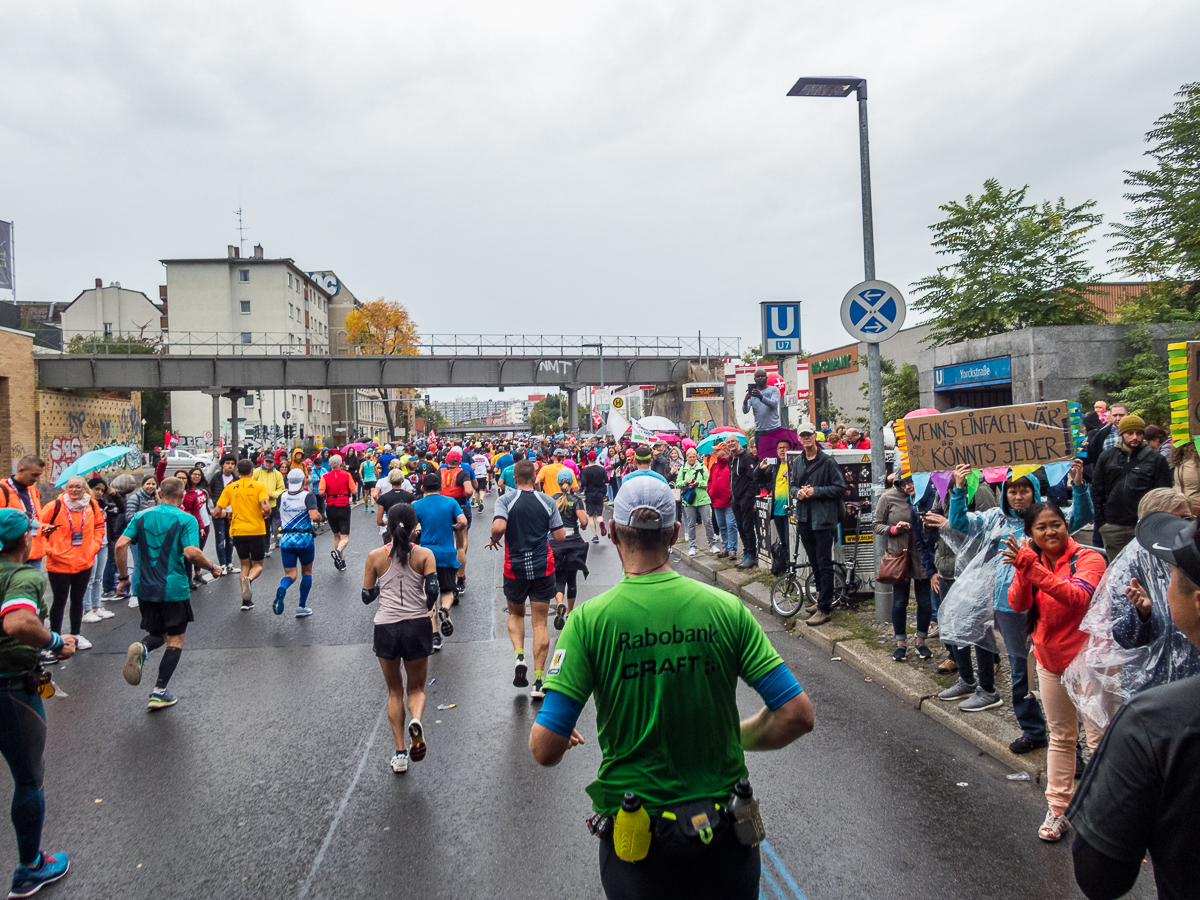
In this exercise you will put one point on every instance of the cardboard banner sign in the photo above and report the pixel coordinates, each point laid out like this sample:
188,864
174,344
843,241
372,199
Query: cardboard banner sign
1029,434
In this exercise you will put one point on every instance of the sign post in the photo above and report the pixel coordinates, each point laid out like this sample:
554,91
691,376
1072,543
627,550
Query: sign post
873,311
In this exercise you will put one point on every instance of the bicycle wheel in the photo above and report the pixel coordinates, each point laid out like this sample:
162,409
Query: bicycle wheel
839,587
787,595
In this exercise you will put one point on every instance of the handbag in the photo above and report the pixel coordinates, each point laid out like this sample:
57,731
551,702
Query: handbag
893,568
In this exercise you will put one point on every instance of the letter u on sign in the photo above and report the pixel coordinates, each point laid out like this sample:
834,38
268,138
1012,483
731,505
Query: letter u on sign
783,319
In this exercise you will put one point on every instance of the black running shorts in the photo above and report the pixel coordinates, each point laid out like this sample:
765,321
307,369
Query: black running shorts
538,590
447,579
250,546
339,518
594,506
166,618
408,639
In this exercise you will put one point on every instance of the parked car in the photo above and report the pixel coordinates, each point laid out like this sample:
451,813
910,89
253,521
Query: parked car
185,459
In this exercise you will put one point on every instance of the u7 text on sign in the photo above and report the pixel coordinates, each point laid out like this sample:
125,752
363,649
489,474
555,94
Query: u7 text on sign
1022,435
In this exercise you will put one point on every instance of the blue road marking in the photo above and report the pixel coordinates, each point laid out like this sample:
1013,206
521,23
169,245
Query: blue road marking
775,889
787,876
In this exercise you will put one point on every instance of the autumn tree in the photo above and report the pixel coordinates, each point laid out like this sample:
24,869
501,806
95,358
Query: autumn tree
383,328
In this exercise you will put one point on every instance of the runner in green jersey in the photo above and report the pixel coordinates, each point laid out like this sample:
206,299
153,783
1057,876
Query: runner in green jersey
661,654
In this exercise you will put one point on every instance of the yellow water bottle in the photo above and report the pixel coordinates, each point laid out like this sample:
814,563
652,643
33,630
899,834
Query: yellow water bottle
631,830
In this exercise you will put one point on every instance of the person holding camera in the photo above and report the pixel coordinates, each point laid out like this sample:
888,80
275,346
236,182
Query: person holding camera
818,487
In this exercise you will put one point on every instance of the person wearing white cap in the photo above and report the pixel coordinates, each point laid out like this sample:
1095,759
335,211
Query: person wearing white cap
297,515
662,655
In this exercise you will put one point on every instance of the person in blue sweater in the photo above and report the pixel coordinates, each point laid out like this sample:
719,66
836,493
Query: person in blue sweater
986,530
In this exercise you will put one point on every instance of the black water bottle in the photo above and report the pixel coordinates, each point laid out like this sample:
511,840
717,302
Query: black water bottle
747,823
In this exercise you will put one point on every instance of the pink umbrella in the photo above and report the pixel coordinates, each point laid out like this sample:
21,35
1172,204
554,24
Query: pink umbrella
357,447
721,429
667,438
924,412
688,443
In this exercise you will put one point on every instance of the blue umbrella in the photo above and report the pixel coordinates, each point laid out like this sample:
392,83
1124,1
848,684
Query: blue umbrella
707,445
91,461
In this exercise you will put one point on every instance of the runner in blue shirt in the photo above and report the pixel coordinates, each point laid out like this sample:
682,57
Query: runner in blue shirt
440,518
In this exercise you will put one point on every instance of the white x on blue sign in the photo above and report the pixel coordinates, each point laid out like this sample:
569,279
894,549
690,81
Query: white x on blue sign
781,329
873,311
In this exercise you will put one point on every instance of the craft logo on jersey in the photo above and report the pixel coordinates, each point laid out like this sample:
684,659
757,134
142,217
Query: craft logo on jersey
556,662
874,311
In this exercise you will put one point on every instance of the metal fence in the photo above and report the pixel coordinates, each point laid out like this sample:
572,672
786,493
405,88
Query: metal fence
265,343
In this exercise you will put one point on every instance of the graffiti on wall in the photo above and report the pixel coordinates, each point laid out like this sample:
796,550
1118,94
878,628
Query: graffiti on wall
69,426
700,430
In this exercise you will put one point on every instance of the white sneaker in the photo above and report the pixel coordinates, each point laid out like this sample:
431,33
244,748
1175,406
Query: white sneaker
234,570
691,551
104,613
132,604
90,617
400,762
713,550
82,643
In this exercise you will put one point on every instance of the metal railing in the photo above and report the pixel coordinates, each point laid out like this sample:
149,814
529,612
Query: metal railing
265,343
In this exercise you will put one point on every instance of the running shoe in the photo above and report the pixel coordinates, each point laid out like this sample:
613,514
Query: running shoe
336,561
161,698
303,612
91,617
960,690
247,605
536,692
135,658
132,604
280,595
28,880
519,671
981,700
400,762
416,741
596,540
437,643
46,658
461,587
446,626
104,613
247,589
560,616
82,643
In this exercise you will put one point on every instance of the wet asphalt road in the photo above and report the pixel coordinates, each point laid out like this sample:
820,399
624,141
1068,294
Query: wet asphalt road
269,779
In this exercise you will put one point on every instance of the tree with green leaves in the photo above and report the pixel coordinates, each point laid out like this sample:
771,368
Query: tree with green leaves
433,418
1015,265
901,389
1160,238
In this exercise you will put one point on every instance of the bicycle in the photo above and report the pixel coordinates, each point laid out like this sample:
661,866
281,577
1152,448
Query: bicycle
789,593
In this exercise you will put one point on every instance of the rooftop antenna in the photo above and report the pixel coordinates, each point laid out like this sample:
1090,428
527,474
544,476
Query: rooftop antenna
241,233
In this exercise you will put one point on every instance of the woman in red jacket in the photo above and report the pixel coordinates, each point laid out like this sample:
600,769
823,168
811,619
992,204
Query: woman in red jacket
1055,578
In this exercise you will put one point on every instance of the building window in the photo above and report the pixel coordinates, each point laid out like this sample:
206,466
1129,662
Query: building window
246,337
289,279
243,275
249,399
108,329
245,307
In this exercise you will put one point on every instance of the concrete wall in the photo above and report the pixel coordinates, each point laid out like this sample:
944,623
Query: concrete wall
18,412
1047,363
204,299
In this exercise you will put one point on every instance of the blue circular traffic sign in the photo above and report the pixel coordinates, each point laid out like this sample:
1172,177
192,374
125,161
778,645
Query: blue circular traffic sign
873,311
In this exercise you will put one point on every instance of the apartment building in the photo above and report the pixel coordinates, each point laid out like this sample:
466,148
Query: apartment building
248,305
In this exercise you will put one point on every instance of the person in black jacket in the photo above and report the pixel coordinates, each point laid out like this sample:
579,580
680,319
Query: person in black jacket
818,487
743,489
1123,475
216,486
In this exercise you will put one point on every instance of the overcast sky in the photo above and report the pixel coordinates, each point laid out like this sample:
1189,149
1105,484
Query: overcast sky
619,167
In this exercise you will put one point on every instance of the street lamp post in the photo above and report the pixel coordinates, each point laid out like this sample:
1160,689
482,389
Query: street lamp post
842,87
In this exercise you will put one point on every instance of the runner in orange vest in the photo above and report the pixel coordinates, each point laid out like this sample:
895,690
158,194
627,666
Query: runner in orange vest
20,492
458,484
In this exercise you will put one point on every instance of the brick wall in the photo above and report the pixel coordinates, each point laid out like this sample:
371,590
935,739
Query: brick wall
18,418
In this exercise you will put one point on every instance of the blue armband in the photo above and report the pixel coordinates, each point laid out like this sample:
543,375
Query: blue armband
56,642
777,687
559,713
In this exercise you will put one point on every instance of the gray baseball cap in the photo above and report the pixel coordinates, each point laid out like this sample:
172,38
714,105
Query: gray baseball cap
645,492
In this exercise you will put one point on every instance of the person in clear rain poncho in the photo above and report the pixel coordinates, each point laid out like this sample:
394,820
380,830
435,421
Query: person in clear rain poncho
979,597
1132,643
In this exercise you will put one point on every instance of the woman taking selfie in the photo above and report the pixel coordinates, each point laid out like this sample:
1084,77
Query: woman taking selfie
1055,579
